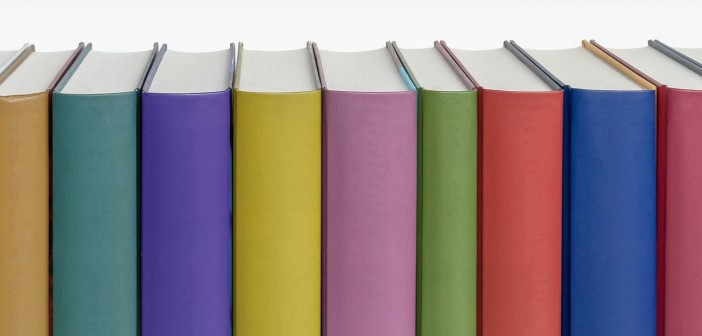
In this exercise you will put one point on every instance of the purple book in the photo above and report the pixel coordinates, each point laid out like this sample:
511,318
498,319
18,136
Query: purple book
186,195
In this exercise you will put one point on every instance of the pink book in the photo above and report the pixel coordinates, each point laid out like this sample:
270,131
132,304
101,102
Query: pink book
370,173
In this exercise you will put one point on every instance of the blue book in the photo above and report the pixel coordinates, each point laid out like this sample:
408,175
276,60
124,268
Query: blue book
609,196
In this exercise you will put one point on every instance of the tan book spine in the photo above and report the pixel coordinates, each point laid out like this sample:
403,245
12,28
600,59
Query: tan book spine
24,215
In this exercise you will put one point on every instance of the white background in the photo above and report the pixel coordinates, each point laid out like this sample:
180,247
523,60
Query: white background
200,25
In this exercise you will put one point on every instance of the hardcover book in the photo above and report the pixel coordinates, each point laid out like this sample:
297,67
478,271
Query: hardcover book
369,194
610,196
26,83
678,80
447,186
94,197
278,198
186,194
520,162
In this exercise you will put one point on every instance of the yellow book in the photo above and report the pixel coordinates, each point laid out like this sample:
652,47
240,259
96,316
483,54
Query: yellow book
25,89
277,198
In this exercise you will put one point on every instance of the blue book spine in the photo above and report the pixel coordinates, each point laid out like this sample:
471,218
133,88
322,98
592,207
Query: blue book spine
612,213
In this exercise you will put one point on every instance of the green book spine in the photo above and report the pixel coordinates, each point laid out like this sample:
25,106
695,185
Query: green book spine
447,219
94,178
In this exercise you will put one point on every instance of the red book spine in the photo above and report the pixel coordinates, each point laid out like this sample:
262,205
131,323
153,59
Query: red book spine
521,192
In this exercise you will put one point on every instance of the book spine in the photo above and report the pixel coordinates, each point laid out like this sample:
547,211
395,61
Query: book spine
683,233
565,218
94,178
24,215
278,224
447,237
612,213
661,199
520,236
186,214
370,213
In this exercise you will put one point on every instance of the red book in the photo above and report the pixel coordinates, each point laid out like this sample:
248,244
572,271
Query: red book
520,187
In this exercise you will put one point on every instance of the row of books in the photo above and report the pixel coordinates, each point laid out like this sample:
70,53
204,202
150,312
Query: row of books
388,192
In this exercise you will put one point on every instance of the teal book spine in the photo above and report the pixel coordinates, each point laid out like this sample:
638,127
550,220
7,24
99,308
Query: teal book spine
95,241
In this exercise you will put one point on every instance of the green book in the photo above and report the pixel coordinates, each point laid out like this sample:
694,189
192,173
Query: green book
447,193
95,194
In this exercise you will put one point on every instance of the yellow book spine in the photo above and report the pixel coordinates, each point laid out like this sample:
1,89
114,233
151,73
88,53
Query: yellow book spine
24,215
277,213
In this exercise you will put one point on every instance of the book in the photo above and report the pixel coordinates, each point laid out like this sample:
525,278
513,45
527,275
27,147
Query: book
27,79
369,194
278,197
610,199
94,194
520,161
447,192
678,81
186,263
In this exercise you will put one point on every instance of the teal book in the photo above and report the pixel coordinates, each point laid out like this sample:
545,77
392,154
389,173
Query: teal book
447,192
95,194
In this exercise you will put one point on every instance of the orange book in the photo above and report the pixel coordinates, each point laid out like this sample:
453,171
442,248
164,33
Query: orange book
26,81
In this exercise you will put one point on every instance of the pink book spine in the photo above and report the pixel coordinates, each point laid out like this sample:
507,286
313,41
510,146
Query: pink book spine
683,235
370,162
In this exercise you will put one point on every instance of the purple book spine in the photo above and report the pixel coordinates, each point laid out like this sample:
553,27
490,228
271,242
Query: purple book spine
186,214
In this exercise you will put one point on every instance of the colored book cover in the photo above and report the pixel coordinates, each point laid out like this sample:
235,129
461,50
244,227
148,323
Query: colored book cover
26,84
94,196
447,186
186,263
369,194
520,162
278,197
610,200
678,81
